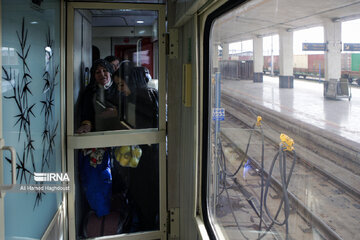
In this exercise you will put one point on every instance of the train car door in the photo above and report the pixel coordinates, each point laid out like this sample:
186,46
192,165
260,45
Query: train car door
117,159
31,119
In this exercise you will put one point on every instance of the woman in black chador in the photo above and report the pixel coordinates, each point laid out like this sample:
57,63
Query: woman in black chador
103,106
99,112
100,101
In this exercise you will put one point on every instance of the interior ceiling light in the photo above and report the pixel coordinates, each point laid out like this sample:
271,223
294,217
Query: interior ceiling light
139,21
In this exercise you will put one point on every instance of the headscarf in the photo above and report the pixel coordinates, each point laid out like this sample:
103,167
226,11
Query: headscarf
111,58
96,64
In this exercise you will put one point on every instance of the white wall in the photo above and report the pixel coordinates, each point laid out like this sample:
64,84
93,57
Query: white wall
102,36
104,45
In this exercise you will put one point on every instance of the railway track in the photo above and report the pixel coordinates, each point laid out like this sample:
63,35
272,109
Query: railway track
322,206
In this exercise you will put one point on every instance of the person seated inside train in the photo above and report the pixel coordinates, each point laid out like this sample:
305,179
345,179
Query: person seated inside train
99,102
114,61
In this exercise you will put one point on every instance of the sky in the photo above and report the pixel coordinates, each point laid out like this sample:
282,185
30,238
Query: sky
310,35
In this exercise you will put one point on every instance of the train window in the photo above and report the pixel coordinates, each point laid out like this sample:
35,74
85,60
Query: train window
115,69
281,137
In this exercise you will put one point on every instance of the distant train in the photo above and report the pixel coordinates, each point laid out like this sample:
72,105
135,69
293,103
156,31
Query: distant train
305,66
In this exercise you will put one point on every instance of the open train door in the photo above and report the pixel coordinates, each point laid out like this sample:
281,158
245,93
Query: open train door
103,26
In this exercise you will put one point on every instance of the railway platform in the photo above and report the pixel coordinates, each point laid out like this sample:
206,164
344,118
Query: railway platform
304,103
316,123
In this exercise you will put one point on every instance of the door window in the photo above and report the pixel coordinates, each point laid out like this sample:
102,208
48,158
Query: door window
115,76
117,187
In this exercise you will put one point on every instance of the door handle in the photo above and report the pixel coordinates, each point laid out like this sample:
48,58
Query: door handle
13,168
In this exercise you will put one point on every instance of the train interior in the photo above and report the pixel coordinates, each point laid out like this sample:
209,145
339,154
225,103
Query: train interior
220,119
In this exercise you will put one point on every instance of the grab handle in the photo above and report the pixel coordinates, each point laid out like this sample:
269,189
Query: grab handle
13,168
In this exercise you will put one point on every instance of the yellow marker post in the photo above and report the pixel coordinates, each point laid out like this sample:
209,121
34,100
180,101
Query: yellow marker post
287,142
258,121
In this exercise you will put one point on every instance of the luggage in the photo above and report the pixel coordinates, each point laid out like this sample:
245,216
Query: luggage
118,220
95,226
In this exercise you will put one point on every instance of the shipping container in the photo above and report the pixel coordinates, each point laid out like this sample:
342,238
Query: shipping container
316,63
355,62
301,61
237,70
300,65
267,64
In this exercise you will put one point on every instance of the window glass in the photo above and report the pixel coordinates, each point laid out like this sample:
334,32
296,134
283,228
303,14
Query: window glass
282,121
118,186
115,70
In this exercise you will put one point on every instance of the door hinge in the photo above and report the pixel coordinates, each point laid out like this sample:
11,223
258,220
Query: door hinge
173,226
172,43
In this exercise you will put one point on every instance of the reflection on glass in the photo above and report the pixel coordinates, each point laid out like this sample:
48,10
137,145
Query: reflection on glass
115,90
118,189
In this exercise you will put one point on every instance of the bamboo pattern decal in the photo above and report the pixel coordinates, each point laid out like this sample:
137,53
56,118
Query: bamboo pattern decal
49,77
21,95
21,91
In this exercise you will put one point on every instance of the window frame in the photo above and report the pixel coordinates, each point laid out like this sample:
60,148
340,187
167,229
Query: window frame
206,88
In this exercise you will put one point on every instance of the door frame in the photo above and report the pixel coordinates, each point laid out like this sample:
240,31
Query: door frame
117,138
2,212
